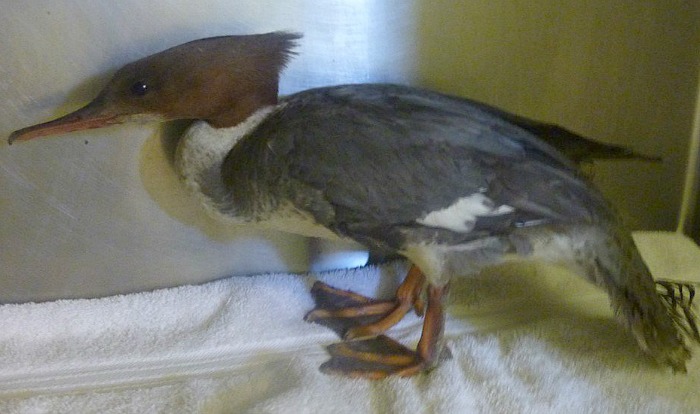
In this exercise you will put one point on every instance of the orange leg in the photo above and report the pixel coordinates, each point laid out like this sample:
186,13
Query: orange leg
430,344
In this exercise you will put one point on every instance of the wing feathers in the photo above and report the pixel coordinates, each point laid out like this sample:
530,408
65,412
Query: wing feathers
366,160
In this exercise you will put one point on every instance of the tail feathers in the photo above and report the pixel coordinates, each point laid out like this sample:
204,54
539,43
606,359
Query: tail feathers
663,324
659,315
678,299
581,149
576,147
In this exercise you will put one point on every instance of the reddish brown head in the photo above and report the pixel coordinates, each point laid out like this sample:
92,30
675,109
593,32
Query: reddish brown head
220,79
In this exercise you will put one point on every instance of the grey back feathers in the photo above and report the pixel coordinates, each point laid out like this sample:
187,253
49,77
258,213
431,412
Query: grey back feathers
367,161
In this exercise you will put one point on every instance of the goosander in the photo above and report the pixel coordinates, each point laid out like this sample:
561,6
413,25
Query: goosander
450,184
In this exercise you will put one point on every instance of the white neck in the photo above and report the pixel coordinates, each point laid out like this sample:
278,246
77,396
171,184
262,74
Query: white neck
200,153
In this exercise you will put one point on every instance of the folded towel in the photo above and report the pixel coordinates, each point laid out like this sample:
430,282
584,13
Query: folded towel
523,339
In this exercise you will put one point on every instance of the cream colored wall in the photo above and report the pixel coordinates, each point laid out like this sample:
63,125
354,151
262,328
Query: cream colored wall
623,72
689,217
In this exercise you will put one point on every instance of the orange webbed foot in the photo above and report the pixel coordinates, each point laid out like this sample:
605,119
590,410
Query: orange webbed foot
361,321
355,316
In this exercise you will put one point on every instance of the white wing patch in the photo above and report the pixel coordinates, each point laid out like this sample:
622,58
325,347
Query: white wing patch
461,216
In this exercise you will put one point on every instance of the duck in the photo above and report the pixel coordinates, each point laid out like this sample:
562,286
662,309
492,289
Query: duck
450,184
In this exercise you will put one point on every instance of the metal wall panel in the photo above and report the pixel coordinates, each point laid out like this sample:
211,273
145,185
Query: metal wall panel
101,212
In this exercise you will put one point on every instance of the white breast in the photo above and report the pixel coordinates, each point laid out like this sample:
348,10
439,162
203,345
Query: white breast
198,160
201,152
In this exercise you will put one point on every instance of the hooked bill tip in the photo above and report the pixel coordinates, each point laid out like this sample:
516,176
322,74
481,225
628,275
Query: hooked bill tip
13,137
23,134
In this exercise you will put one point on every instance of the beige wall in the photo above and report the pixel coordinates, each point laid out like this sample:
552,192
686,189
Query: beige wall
623,72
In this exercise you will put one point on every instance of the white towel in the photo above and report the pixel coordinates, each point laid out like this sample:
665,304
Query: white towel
527,339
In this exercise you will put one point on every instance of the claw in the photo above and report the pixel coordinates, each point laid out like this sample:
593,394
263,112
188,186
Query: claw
680,305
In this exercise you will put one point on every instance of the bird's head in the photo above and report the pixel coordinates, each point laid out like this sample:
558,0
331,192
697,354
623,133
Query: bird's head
220,79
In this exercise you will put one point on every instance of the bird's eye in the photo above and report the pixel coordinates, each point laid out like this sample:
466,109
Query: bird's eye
139,88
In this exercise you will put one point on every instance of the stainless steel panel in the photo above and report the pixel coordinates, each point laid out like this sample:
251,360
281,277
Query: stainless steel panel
101,212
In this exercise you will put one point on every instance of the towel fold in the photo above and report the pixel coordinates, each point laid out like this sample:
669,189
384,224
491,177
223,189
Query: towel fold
523,338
